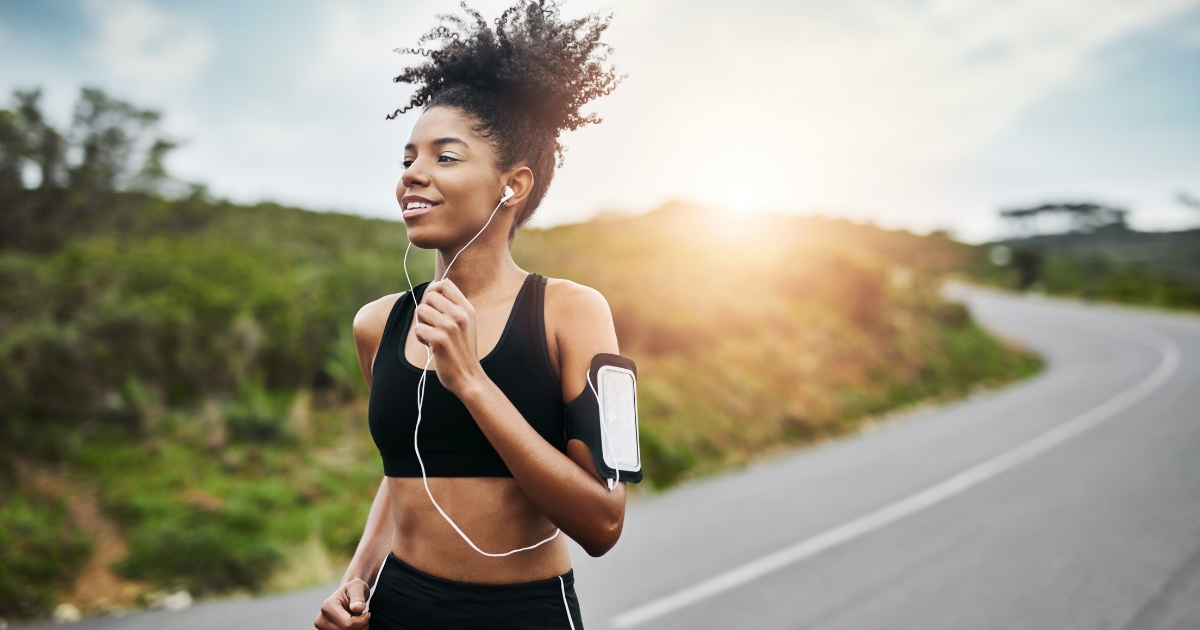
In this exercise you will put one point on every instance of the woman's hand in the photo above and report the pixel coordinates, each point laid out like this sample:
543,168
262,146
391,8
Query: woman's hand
344,609
446,325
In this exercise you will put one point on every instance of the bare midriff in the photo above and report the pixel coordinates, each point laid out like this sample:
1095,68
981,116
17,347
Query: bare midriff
493,511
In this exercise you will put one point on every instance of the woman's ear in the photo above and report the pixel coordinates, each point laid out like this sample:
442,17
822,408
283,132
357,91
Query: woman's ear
520,179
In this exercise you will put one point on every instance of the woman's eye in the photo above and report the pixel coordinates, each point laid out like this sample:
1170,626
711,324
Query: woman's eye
406,163
447,158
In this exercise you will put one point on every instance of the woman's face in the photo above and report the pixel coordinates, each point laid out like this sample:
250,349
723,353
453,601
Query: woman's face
450,183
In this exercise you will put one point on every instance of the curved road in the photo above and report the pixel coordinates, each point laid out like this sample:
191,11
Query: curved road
1068,501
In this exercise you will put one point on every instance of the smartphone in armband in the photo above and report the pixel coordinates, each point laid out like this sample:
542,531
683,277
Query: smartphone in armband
605,418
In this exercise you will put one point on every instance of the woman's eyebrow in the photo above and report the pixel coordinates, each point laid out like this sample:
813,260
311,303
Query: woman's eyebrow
439,142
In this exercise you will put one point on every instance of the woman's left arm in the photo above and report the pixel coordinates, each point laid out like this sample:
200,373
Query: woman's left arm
566,488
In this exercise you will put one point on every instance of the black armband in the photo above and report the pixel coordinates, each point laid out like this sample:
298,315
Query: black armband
604,417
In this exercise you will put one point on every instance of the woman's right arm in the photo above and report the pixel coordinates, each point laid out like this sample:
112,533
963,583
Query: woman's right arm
344,609
376,540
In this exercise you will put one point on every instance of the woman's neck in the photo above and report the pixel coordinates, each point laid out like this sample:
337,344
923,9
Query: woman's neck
485,266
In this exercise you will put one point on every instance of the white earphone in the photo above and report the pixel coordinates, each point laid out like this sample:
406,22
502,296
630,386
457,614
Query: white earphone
508,194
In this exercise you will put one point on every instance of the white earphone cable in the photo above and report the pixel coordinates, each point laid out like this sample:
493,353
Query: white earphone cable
421,402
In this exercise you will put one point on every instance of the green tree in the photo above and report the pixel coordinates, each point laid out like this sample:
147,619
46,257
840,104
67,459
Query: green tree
118,147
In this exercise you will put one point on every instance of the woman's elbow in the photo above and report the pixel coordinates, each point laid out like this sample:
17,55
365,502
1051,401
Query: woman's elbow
604,537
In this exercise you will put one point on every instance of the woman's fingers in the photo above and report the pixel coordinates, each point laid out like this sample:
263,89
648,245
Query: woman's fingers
336,613
428,314
429,335
456,306
450,290
361,622
437,313
358,591
443,305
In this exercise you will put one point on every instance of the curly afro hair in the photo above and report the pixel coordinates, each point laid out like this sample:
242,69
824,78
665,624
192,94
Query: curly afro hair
523,82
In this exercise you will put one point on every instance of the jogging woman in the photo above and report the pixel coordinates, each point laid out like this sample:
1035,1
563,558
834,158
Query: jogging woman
464,530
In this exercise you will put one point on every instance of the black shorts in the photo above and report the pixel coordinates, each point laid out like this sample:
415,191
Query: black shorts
405,598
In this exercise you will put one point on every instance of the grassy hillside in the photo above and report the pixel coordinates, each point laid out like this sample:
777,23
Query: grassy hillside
753,332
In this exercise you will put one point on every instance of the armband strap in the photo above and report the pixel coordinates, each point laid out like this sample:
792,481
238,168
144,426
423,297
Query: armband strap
604,417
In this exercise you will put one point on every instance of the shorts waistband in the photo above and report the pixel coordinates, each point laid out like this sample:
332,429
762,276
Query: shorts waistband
568,579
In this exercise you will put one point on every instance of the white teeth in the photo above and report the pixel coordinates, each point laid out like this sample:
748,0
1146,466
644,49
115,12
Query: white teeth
418,204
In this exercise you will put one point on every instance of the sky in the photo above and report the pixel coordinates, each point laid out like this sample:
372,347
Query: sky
914,114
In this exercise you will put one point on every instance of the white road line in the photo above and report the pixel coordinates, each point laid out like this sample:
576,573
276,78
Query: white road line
925,498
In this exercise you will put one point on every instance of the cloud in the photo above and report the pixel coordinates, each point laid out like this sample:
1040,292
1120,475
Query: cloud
141,43
860,104
931,79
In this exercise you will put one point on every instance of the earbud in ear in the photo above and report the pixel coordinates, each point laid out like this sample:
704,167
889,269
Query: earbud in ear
508,194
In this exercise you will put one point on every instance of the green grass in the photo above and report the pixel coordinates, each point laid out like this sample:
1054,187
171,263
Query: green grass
216,517
41,551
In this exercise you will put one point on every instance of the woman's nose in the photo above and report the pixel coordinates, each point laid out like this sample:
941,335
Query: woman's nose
414,175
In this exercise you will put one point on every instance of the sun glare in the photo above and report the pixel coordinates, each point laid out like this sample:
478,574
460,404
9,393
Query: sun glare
737,184
737,226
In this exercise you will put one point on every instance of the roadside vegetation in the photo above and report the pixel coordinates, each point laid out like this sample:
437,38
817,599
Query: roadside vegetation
181,406
1100,258
1098,278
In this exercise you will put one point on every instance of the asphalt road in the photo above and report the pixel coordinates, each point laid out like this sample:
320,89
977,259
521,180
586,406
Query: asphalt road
1068,501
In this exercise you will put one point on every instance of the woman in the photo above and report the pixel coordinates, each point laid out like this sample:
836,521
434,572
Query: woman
507,348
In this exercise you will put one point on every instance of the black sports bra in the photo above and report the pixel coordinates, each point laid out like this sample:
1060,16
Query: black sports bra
452,445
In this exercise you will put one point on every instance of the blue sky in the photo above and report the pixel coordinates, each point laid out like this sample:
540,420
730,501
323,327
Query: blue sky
918,114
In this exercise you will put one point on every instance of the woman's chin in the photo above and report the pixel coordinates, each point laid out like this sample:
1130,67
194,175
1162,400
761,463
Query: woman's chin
423,237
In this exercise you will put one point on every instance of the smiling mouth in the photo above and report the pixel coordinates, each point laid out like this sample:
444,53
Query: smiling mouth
417,208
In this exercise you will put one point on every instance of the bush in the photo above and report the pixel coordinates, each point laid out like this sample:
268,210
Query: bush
204,551
342,522
257,416
1162,282
1099,278
664,464
40,551
186,317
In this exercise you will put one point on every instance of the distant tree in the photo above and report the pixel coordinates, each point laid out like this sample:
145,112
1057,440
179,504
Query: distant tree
1084,217
12,153
154,170
117,147
26,140
109,131
44,144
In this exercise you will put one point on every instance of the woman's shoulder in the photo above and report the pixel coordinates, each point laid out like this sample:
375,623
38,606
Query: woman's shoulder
567,295
576,311
371,319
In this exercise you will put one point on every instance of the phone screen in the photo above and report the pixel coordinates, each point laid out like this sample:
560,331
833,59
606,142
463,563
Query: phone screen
618,414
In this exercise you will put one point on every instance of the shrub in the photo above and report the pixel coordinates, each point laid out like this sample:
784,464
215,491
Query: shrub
40,551
204,551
